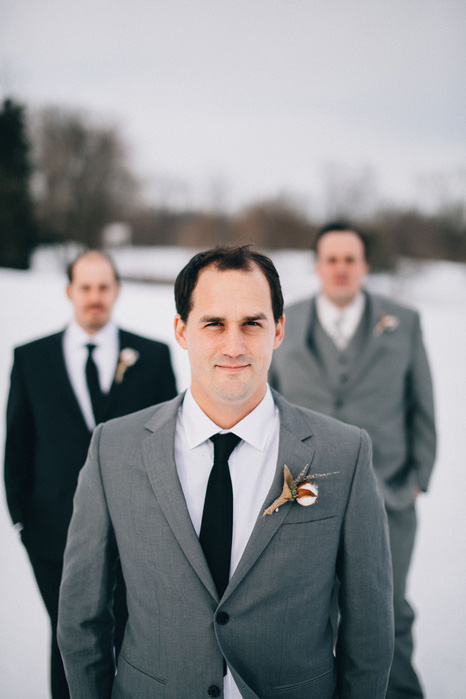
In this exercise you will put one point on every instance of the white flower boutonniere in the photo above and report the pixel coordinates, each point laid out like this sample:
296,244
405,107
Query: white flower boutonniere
127,358
302,489
386,323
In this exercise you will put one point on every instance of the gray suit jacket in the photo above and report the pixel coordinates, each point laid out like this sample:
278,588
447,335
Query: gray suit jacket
388,392
274,630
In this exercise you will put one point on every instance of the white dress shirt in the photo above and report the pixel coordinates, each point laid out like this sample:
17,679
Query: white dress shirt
105,356
252,467
340,323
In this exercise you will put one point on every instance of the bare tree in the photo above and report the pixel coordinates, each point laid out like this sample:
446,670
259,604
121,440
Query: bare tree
18,228
82,178
276,223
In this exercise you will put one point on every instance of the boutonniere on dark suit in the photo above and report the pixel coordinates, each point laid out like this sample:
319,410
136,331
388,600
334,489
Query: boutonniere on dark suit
128,357
386,323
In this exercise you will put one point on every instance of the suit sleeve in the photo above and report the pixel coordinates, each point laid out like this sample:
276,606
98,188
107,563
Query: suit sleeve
420,412
19,446
366,631
85,617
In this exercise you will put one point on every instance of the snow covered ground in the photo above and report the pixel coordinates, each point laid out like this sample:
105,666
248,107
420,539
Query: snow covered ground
34,304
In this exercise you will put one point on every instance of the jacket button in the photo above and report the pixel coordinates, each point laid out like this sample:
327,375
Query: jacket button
213,691
223,618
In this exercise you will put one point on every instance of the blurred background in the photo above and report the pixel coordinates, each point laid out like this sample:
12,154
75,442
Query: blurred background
154,129
191,122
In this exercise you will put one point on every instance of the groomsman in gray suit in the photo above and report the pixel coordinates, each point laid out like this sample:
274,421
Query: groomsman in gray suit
233,514
360,358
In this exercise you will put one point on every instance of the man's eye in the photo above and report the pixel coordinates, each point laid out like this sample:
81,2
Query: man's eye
254,323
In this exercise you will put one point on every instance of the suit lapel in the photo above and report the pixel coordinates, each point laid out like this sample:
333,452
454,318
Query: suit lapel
305,354
114,388
372,346
159,460
63,383
295,455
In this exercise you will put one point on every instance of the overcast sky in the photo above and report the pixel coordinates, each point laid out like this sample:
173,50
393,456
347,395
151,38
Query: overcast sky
230,101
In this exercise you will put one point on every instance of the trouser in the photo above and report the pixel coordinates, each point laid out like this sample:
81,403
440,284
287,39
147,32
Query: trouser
403,681
48,576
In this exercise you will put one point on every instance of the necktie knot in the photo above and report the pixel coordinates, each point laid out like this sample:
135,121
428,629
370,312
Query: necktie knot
224,445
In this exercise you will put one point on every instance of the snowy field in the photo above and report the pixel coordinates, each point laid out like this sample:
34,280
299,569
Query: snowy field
34,304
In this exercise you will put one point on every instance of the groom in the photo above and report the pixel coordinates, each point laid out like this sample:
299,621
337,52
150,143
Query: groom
168,493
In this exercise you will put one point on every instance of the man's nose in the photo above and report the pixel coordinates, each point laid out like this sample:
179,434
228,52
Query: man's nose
95,296
232,342
341,267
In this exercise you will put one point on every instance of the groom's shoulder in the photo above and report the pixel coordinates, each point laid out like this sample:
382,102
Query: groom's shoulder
146,420
322,427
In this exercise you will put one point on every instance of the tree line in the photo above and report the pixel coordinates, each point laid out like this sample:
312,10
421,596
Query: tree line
64,179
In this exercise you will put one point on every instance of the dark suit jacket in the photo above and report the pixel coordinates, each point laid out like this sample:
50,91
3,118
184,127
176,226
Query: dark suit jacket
272,624
388,391
47,436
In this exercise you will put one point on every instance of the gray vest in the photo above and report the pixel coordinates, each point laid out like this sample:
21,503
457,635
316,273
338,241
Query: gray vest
337,365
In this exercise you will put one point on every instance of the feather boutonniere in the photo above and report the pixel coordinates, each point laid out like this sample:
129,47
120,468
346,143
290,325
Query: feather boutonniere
303,489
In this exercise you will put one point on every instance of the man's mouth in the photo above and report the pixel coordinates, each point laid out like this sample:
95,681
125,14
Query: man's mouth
233,368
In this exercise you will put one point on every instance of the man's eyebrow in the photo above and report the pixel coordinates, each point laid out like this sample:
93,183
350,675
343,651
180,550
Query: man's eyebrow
259,316
211,319
221,319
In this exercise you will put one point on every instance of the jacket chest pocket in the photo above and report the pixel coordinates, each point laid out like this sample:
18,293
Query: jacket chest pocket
313,530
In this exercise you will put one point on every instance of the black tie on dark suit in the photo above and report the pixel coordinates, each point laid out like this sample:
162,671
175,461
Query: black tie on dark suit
217,517
93,384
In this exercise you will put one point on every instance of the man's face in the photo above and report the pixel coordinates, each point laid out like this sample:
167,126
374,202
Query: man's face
341,266
230,335
93,292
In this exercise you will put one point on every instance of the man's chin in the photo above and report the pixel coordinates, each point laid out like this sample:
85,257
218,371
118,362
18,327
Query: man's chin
233,393
93,325
342,297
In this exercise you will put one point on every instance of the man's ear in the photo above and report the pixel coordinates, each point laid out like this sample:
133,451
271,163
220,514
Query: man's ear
180,332
279,332
68,291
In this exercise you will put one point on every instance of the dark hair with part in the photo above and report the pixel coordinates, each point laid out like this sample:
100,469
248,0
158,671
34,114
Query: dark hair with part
92,253
239,257
343,227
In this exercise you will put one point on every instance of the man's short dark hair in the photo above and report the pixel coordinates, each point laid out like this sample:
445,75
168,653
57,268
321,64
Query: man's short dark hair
342,226
239,257
70,267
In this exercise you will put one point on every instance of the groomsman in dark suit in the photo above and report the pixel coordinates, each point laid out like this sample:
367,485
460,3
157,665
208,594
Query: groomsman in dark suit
360,357
61,387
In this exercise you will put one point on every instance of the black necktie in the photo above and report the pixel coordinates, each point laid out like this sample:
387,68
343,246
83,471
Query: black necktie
217,517
93,384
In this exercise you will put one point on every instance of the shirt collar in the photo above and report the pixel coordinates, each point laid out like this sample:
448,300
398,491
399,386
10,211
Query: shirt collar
254,428
78,337
331,311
